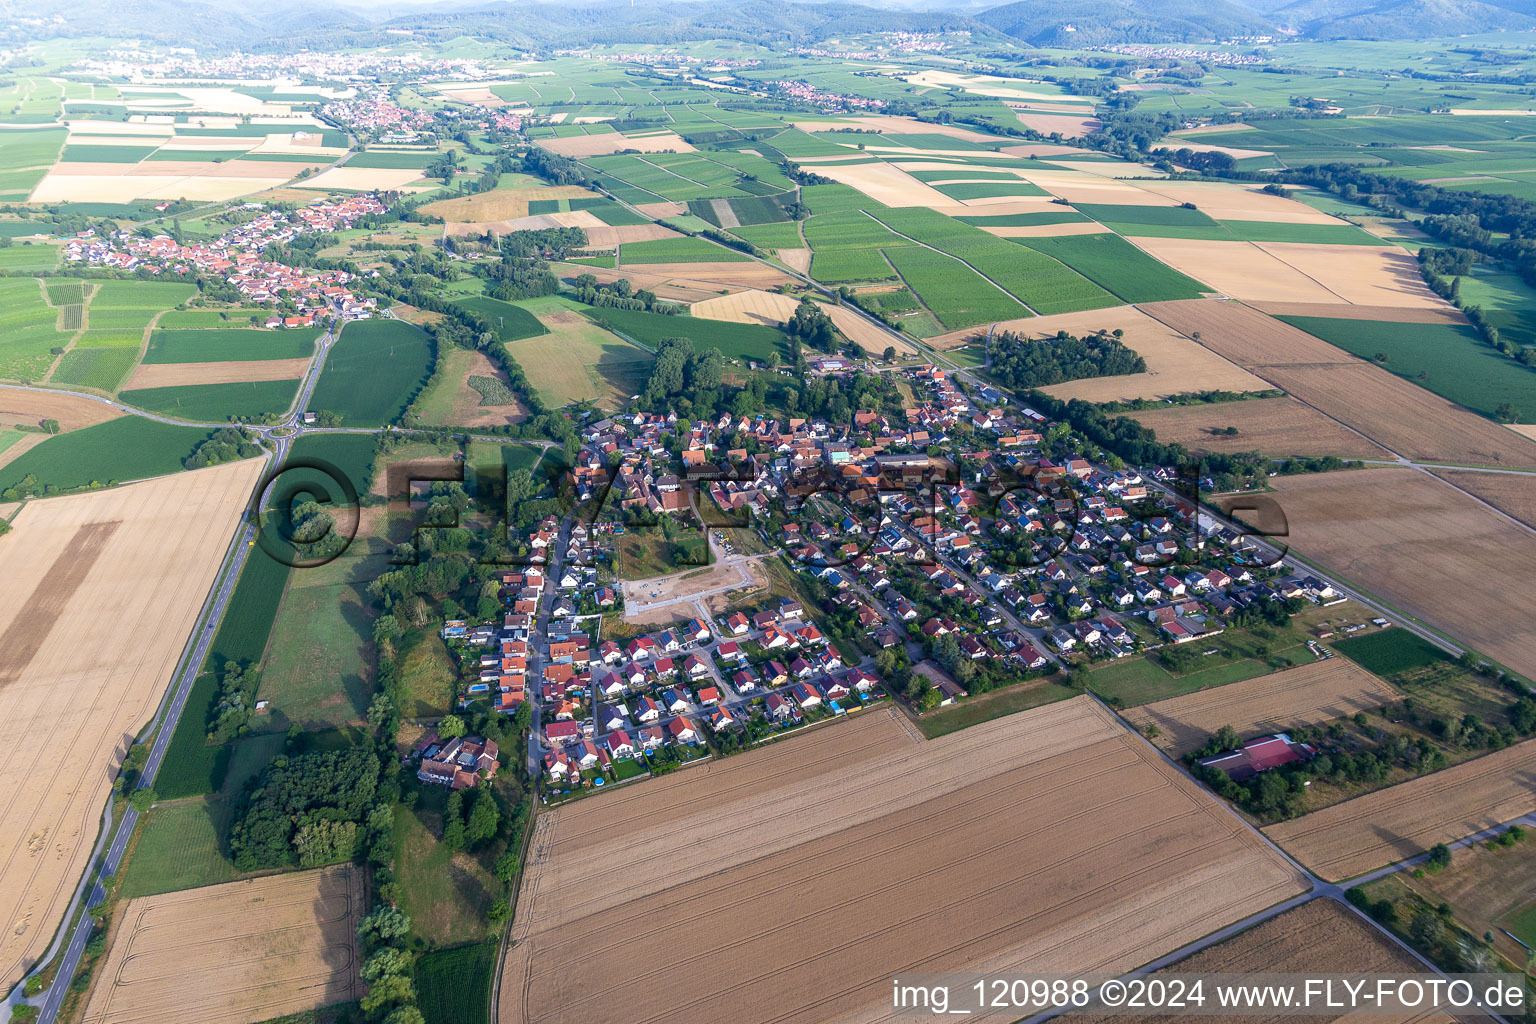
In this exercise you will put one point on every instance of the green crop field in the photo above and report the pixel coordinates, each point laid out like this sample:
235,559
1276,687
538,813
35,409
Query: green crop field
987,189
1163,216
836,199
1451,360
1507,301
142,294
31,147
453,986
107,154
837,266
215,403
351,454
1017,220
372,373
958,296
1391,651
229,345
65,293
735,341
390,160
100,368
29,256
127,448
205,319
110,337
771,236
180,846
1119,267
677,250
757,210
27,333
850,230
512,323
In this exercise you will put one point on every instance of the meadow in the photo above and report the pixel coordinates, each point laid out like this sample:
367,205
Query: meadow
1507,301
219,345
216,403
372,373
1451,360
512,323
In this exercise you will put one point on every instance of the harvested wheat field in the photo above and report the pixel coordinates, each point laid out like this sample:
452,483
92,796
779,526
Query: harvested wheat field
1309,695
668,288
798,260
1274,426
804,874
1321,936
773,309
1391,530
164,375
260,949
1444,314
1046,230
601,236
1227,201
1401,416
900,126
717,276
30,408
1243,334
613,142
1239,269
1402,821
1524,429
1360,274
499,204
362,179
885,183
1175,364
103,589
1514,494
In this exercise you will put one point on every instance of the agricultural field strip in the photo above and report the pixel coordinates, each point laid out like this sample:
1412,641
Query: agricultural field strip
934,248
1311,695
1392,824
1243,877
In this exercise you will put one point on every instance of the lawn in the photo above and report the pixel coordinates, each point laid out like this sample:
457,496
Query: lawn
1119,267
193,767
1134,681
1451,360
127,448
216,345
453,986
216,402
644,552
511,323
319,671
373,372
445,894
179,845
677,250
195,319
995,704
735,341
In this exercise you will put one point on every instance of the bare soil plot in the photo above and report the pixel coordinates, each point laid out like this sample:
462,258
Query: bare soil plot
1309,695
1401,416
1514,494
104,588
161,375
1274,426
1243,334
885,183
32,407
1239,269
665,208
1401,821
1322,936
804,874
259,949
773,309
1444,314
1362,274
1227,201
643,598
613,142
798,260
1437,554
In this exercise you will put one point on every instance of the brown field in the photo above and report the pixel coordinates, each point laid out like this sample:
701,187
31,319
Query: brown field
1274,426
772,308
613,142
32,407
1082,187
604,237
1046,230
259,949
886,183
1320,936
1360,274
1402,821
1227,201
1514,494
803,874
1401,416
1446,314
798,260
499,204
103,589
1524,429
1239,269
163,375
1309,695
1435,553
900,126
715,276
1069,126
362,178
662,209
671,289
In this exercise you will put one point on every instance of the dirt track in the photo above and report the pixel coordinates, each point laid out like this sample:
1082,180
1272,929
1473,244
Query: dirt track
103,589
1309,695
257,949
1401,821
801,875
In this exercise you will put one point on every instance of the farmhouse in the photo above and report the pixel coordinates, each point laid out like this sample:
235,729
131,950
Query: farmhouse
460,763
1259,755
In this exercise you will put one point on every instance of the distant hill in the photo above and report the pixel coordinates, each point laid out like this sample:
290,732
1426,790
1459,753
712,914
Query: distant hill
1401,19
1105,22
